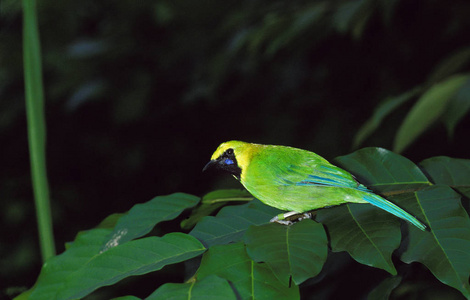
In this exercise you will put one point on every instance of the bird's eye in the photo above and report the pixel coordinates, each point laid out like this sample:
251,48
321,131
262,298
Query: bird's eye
229,151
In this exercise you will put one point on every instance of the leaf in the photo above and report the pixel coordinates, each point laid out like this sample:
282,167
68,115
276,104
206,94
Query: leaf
231,222
303,20
213,201
427,110
251,280
299,250
385,288
445,250
210,287
368,234
384,171
380,113
457,108
83,267
143,217
450,65
227,195
453,172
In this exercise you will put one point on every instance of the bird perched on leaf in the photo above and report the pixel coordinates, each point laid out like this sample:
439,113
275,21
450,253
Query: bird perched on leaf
295,180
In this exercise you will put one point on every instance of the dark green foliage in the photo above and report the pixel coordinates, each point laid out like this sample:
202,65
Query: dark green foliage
245,255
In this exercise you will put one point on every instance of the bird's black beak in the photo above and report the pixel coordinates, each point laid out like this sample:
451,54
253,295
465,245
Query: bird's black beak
209,165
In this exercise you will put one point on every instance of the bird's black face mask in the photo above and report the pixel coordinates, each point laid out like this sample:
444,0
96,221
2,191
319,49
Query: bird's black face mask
226,162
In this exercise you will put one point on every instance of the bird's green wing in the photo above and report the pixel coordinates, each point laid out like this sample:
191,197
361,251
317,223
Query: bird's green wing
313,170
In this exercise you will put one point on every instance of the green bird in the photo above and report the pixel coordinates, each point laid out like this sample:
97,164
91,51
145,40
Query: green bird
295,180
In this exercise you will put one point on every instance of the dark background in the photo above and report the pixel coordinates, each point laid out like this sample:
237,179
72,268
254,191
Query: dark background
140,93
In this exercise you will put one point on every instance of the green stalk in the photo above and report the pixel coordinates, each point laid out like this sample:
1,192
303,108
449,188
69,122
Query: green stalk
36,126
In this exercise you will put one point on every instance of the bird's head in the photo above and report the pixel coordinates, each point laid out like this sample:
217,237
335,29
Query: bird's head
232,157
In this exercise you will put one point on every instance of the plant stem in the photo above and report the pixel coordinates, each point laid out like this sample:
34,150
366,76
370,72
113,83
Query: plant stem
34,94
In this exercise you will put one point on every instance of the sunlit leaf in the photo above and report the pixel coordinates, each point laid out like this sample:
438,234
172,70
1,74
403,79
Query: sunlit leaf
445,249
210,287
83,267
427,110
298,250
231,223
367,233
141,218
251,280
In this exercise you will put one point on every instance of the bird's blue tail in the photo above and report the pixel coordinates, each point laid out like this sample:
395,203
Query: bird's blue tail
388,206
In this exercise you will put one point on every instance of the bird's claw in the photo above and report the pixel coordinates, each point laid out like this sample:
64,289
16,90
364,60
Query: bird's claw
290,218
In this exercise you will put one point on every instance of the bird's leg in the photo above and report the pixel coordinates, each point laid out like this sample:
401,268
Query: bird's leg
291,217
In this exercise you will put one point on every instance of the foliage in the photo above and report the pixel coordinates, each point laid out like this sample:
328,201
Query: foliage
139,92
245,256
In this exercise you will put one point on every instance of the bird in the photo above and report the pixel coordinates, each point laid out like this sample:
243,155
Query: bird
295,180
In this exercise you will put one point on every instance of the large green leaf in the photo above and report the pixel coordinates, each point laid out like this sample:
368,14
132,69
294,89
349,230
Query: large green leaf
427,110
231,222
210,287
83,267
384,171
141,218
251,280
298,250
453,172
383,110
367,233
213,201
445,250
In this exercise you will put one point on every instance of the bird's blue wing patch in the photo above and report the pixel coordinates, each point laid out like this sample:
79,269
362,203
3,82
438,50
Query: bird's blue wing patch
320,175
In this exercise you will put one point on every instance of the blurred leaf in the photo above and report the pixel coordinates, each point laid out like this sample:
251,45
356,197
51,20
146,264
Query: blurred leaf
251,280
141,218
352,16
383,171
231,223
367,233
302,21
83,267
427,110
453,172
445,250
210,287
298,250
213,201
385,288
450,65
380,113
457,108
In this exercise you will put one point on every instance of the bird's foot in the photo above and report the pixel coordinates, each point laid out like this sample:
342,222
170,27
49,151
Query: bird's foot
291,217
